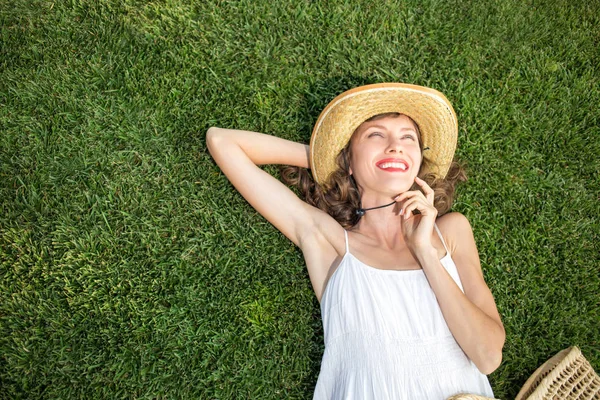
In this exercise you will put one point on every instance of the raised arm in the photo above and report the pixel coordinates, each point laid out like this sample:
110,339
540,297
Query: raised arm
238,152
260,148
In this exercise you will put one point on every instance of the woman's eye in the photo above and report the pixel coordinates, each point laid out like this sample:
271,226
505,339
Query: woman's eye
411,137
375,134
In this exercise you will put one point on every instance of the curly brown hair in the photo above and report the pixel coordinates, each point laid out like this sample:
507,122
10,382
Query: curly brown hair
339,196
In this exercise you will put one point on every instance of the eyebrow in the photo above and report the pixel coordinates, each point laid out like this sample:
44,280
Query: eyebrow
383,127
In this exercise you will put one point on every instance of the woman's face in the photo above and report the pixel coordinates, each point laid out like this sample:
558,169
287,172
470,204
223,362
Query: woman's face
385,155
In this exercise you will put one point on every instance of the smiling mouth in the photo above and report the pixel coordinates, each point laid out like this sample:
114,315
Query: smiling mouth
393,166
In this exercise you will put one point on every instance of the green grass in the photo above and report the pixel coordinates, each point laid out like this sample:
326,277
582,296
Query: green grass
131,268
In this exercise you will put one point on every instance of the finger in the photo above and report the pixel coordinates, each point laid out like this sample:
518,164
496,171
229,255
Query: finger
407,195
409,200
410,205
424,207
429,193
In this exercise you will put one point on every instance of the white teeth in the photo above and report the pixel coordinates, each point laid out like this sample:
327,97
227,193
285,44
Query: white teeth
393,165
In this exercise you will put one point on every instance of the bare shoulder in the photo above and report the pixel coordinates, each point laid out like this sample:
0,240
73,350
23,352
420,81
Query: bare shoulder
323,247
325,233
455,227
458,234
453,222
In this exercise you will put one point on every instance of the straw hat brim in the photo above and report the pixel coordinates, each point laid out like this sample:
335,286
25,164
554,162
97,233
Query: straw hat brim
430,110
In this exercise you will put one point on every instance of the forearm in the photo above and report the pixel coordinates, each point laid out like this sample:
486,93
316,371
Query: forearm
260,148
480,336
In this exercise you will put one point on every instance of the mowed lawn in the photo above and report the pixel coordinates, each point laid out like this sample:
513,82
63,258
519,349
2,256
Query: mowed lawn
131,268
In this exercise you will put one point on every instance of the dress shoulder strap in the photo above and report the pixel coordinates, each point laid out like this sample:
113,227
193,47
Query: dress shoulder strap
441,238
346,235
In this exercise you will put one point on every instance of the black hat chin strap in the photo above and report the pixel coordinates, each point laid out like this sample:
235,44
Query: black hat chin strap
361,211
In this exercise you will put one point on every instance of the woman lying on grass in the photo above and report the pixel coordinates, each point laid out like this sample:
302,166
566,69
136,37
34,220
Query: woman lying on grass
406,311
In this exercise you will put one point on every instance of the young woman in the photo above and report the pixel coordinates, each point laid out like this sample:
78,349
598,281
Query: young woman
406,311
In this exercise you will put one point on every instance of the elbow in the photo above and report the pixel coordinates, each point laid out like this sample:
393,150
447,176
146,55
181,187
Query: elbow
491,358
491,354
213,135
490,363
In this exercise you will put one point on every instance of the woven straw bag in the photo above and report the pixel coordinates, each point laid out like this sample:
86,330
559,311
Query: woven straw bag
566,376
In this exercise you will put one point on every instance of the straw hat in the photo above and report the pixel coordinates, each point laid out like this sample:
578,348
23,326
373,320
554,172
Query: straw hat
429,108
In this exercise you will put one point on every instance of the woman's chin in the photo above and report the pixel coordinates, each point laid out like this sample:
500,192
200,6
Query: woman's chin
392,188
399,189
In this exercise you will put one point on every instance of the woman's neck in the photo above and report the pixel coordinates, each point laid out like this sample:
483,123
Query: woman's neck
382,225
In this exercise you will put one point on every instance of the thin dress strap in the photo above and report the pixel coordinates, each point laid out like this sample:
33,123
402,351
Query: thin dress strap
346,234
441,238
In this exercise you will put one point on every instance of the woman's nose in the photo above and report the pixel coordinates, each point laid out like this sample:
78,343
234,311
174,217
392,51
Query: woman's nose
394,145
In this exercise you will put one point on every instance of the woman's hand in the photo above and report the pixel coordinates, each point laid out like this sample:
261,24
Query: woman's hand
417,229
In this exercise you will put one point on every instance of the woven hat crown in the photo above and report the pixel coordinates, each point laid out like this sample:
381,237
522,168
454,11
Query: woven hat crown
430,110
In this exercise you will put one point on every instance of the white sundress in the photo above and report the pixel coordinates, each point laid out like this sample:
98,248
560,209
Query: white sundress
386,338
